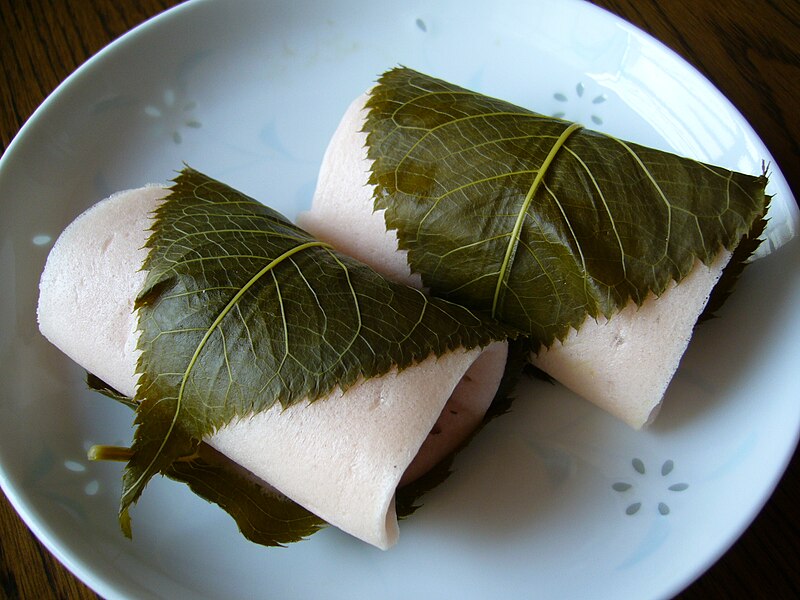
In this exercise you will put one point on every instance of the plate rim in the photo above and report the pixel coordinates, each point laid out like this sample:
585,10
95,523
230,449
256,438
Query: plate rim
112,589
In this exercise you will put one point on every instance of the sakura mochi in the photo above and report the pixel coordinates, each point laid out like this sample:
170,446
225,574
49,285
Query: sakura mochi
342,457
623,364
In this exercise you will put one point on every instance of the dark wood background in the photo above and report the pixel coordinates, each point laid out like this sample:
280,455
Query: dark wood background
750,49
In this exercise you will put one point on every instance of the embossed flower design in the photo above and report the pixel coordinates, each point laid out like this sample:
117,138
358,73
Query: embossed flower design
580,91
639,467
174,114
68,482
77,467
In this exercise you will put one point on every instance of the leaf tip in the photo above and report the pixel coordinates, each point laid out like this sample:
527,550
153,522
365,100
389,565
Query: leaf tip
125,522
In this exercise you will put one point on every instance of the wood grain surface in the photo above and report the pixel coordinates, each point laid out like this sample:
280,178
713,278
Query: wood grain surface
749,49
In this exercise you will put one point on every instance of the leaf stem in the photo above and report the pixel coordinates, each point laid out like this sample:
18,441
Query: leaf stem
123,454
115,453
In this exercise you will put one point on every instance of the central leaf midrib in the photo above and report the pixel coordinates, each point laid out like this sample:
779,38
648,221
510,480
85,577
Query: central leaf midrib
513,242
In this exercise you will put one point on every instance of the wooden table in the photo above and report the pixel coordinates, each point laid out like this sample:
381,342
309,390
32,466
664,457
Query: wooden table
750,49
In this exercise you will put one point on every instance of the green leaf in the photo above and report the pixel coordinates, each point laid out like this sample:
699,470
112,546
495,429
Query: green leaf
263,516
733,270
535,219
241,309
267,517
98,385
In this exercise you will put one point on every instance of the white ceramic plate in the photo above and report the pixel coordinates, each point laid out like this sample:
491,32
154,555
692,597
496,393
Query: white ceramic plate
560,501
